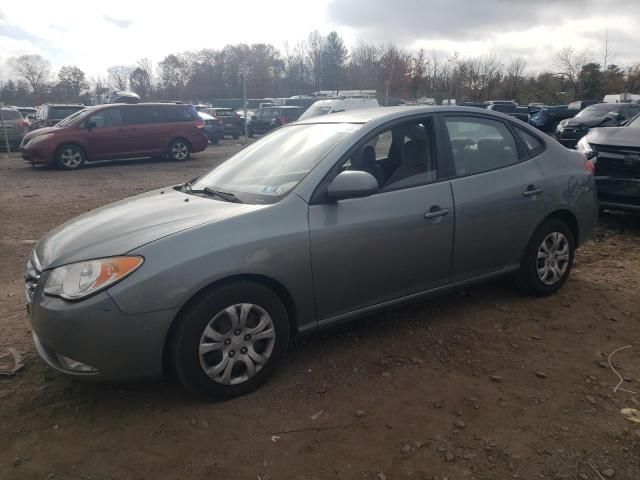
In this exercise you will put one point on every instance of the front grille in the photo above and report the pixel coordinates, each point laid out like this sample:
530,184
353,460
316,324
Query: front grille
31,277
622,162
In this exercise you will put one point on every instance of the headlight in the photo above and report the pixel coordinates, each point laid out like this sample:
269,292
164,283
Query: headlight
38,139
81,279
585,148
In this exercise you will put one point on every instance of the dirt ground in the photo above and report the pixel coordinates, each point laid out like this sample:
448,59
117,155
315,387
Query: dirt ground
477,384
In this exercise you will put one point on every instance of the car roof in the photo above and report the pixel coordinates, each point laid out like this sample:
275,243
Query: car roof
366,115
287,107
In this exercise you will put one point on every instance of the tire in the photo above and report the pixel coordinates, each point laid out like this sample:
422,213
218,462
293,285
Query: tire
554,242
250,132
230,347
179,150
70,157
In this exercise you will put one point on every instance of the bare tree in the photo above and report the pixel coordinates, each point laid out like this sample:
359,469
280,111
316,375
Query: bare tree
119,76
569,62
33,68
515,75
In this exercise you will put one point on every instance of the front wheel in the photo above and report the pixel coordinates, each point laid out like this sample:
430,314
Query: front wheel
547,260
230,340
179,150
70,157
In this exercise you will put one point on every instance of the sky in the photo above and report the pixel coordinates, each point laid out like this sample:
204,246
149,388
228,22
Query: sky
97,35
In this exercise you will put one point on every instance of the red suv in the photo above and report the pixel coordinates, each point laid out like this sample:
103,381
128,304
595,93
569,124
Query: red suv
117,131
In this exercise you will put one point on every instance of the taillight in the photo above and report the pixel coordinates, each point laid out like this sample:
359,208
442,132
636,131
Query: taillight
283,120
199,123
590,166
24,124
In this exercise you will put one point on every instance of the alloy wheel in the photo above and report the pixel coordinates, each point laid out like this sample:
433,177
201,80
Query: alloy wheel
180,151
237,343
553,258
71,157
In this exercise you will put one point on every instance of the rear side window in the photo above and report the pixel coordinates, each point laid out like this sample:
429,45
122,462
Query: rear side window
179,113
480,144
62,112
223,113
141,115
11,114
533,145
270,113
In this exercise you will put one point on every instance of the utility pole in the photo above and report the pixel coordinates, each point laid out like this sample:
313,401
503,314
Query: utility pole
4,130
243,71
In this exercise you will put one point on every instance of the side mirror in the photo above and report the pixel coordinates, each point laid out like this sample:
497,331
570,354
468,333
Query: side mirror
352,184
91,125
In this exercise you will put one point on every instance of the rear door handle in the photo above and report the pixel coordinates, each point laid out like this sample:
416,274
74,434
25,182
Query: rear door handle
435,212
531,191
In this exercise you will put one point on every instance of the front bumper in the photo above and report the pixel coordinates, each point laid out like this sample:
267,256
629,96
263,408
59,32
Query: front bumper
619,193
94,332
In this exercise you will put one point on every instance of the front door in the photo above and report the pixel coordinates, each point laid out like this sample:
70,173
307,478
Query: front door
498,192
398,242
105,137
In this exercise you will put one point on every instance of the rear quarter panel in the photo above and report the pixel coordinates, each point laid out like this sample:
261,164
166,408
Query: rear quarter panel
569,187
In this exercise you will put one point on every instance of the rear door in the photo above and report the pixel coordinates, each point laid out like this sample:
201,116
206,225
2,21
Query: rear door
398,242
498,191
142,130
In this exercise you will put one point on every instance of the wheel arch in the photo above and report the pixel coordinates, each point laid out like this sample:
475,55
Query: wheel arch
568,217
275,286
179,137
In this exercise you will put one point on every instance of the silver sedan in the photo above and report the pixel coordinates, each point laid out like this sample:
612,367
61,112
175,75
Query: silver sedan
318,222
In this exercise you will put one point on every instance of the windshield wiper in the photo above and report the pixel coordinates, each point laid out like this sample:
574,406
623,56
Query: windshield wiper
226,196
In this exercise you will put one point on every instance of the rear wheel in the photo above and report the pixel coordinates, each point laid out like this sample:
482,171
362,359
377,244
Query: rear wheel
230,340
547,260
70,157
179,150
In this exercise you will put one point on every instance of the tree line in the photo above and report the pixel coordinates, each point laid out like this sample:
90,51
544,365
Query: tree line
323,62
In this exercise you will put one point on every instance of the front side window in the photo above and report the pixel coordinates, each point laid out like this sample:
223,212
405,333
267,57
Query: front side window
108,118
402,156
267,170
480,144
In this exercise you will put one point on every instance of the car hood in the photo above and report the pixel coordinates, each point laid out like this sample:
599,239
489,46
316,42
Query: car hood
617,136
583,122
40,131
120,227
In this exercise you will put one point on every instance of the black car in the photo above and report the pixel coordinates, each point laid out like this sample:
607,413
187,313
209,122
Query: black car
616,152
570,131
510,108
230,119
50,114
269,118
547,118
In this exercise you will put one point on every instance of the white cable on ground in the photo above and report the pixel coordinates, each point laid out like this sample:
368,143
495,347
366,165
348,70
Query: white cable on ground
617,387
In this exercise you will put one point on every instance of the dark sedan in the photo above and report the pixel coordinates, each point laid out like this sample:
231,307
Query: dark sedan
616,152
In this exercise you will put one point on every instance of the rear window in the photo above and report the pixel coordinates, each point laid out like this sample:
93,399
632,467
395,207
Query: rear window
291,113
63,112
179,113
11,114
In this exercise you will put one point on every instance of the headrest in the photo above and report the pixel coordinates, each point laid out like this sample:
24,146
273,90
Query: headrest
415,153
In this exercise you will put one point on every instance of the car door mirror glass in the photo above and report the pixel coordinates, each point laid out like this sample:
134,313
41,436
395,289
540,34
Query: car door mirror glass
352,184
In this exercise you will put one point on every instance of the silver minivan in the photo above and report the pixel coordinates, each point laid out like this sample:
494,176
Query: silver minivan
318,222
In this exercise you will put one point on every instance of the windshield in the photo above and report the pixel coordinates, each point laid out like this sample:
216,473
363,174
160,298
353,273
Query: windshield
270,168
635,122
67,121
315,111
597,111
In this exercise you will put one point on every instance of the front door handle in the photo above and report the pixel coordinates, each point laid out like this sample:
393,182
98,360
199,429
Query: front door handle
531,191
435,212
